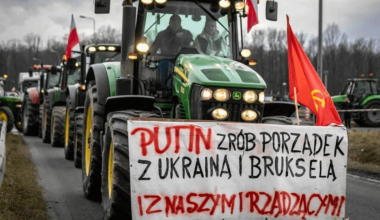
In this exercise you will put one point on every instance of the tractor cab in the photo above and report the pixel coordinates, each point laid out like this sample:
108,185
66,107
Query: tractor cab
357,90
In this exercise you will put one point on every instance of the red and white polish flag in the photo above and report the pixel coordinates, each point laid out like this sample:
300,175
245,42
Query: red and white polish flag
252,14
72,41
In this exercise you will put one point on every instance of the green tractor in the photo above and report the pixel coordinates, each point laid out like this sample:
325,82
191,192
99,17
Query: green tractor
9,108
219,87
360,93
75,96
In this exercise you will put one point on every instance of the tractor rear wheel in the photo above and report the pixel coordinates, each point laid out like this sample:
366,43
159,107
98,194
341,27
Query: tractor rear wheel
57,126
46,118
29,117
69,130
7,115
116,192
91,149
371,119
41,110
78,140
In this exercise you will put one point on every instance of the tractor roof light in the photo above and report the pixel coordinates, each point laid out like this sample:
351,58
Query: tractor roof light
132,56
147,2
245,53
77,64
142,47
371,74
92,49
239,5
161,2
249,115
206,94
220,114
362,75
111,48
64,58
5,76
82,87
102,48
224,3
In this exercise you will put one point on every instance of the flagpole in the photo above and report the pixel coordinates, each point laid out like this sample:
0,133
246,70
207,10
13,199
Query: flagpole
295,102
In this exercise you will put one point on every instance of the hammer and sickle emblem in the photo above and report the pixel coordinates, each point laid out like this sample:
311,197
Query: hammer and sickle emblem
316,98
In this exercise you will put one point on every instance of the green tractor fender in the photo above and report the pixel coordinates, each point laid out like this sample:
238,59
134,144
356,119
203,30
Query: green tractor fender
369,98
338,98
71,91
105,75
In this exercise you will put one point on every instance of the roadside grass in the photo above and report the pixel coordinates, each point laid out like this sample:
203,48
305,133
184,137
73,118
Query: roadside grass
20,195
364,151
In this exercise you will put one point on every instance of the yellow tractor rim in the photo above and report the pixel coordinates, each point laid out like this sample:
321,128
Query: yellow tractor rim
3,116
110,171
67,125
88,139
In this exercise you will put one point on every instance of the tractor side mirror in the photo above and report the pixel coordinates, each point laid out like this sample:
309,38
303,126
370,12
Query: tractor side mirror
271,10
71,63
30,72
102,6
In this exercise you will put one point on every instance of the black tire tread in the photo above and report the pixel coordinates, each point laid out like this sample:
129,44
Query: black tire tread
78,140
69,150
58,132
10,117
364,117
46,132
32,113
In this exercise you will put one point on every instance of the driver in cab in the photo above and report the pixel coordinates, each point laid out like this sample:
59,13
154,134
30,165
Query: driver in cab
170,40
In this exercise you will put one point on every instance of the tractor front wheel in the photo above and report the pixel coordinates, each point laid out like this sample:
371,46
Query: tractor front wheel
46,118
7,116
57,126
116,192
91,149
41,110
78,140
69,130
371,119
29,117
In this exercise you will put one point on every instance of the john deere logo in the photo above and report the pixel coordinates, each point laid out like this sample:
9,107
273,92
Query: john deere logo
236,95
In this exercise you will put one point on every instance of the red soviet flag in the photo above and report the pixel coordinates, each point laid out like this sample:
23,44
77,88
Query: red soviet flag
72,41
309,88
252,14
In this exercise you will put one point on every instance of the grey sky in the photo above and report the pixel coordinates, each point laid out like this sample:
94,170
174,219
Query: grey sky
52,17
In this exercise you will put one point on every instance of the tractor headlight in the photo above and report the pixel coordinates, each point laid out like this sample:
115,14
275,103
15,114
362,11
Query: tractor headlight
206,94
222,95
249,115
161,2
42,91
147,2
245,53
92,49
111,48
224,3
18,106
239,6
262,97
250,96
142,47
220,113
102,48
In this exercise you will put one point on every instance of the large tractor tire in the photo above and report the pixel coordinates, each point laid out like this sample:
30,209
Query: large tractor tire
91,149
46,120
30,116
69,130
116,192
371,119
78,140
7,116
57,133
41,110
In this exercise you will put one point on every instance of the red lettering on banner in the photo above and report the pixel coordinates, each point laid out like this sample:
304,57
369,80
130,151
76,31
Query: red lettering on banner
196,134
279,203
230,203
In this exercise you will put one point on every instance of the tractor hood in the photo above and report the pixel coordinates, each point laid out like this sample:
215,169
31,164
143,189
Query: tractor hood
217,71
338,98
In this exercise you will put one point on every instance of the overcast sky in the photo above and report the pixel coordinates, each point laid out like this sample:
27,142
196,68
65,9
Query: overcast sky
356,18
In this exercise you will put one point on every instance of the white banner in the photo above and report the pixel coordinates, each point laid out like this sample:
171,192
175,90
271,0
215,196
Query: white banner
214,170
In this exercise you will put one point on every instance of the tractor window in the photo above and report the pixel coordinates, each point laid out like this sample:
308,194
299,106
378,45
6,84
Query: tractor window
53,80
375,90
100,57
28,84
74,78
185,24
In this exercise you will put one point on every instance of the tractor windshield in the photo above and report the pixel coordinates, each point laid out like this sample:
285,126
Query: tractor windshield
186,24
107,56
29,84
74,78
53,80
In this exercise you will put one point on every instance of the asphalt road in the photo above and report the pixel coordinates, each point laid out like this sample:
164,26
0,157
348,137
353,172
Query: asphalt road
63,189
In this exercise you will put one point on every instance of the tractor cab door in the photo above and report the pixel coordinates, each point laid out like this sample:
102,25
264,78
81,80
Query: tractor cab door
361,90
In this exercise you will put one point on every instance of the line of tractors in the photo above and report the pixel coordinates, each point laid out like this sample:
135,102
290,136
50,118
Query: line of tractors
84,103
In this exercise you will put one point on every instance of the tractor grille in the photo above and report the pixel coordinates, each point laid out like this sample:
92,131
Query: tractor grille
182,113
200,109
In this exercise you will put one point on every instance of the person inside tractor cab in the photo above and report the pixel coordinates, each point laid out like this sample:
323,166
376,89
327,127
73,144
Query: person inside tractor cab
210,41
169,42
